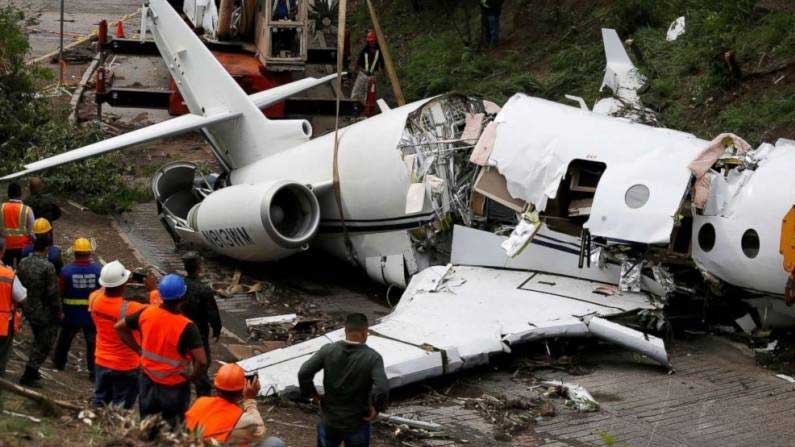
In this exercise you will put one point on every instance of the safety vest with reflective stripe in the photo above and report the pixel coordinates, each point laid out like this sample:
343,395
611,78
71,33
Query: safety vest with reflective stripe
110,351
368,67
7,304
16,229
160,357
216,417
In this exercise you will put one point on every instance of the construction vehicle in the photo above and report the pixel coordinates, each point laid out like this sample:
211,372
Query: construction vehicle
262,44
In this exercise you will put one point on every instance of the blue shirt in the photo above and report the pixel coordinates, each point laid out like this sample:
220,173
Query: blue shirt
53,255
78,280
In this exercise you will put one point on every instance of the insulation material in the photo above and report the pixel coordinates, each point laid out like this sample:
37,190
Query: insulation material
493,185
491,107
578,397
452,318
707,158
480,155
630,276
415,198
522,234
676,29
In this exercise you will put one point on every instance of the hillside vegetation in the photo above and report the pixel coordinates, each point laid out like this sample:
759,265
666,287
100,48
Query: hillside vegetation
551,48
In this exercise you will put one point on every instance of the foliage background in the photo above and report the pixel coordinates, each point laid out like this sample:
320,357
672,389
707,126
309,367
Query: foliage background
554,47
33,126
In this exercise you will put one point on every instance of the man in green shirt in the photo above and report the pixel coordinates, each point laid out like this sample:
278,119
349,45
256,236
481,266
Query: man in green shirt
354,384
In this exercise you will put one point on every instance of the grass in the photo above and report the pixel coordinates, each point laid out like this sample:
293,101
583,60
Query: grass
554,48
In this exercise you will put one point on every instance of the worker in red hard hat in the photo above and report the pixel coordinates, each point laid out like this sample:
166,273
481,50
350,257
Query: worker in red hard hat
369,59
367,64
231,417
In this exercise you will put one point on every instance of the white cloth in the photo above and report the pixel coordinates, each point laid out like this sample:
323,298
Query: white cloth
18,292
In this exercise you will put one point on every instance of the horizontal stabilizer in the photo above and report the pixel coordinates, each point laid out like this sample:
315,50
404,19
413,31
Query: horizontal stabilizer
267,98
175,126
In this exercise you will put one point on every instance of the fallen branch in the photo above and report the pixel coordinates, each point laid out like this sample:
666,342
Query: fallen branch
49,405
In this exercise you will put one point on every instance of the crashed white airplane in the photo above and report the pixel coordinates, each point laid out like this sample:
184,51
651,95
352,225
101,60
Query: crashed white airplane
553,218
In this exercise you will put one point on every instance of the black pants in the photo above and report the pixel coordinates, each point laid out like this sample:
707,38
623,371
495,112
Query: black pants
115,387
171,402
12,257
6,345
203,386
64,343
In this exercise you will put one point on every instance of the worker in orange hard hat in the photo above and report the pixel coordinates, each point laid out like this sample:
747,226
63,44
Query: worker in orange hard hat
231,417
42,229
78,280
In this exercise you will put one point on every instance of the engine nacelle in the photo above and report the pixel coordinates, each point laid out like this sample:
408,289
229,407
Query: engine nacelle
262,222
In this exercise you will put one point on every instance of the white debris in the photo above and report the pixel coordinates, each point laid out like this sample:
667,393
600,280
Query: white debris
522,234
630,276
577,395
276,319
785,378
746,323
676,29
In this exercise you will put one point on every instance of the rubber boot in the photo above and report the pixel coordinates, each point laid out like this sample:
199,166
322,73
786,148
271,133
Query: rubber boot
30,378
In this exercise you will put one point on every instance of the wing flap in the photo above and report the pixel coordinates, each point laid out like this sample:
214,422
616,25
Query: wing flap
172,127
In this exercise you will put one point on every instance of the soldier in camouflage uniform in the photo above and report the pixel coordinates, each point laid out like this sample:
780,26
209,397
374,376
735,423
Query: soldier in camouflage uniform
42,308
200,307
42,204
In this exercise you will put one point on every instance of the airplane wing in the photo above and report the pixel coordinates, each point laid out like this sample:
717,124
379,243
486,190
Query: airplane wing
168,128
452,318
271,96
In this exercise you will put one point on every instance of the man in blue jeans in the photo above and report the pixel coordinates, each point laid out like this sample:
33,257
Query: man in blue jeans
355,386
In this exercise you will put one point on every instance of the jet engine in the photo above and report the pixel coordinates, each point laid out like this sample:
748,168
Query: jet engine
261,222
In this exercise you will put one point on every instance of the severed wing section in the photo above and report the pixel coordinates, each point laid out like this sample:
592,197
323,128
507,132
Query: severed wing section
452,318
175,126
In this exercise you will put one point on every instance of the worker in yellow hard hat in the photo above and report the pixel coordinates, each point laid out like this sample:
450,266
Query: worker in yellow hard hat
42,228
78,280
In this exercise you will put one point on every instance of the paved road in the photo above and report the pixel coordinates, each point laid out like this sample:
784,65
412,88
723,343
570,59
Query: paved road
80,18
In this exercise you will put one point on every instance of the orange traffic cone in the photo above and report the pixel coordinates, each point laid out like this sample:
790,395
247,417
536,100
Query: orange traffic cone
120,30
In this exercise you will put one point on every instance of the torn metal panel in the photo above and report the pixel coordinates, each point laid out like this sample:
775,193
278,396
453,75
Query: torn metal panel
452,318
635,154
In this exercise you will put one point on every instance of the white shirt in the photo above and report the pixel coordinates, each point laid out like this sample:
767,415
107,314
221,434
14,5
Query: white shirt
18,292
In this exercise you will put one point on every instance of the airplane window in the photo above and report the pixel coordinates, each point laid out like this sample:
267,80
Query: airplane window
706,237
750,243
637,196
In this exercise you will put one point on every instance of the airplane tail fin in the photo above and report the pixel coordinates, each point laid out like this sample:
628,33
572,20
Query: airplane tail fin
207,88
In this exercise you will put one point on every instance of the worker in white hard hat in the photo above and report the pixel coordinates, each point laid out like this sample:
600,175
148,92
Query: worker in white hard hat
116,365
